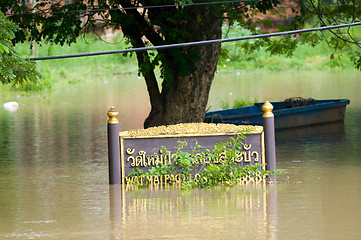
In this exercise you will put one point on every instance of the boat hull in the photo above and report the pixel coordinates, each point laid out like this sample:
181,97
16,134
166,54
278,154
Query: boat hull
321,116
323,111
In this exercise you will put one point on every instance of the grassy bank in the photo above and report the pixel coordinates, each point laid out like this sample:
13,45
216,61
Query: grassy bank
74,70
305,58
233,60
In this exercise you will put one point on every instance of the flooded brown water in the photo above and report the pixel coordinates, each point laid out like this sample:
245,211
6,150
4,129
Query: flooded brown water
54,176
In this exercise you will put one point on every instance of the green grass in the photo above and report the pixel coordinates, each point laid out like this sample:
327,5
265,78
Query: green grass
305,58
74,70
239,102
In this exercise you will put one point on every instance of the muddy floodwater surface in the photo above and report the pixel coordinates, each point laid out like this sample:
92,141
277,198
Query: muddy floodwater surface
54,172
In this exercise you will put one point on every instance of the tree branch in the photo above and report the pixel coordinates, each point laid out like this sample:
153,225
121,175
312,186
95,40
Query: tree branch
135,36
141,24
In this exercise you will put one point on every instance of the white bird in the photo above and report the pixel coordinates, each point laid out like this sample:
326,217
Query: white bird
11,106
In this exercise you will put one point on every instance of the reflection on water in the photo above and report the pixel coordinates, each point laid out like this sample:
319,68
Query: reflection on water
296,144
54,182
333,132
161,213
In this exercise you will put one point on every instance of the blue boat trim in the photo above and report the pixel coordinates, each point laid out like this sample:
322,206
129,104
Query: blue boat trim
286,116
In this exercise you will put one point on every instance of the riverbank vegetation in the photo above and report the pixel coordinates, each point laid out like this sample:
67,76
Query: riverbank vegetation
241,56
238,102
234,59
13,68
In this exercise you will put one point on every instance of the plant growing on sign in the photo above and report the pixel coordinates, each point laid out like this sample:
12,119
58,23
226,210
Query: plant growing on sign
209,168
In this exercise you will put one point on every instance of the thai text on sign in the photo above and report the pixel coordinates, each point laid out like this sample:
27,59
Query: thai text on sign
147,152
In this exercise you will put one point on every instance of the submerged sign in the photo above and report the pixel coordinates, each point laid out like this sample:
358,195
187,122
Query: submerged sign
146,152
145,148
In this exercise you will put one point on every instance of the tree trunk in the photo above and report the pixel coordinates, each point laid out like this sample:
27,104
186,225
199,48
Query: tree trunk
185,99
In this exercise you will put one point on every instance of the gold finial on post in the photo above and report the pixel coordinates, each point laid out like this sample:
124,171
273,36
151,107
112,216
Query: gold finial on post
267,109
269,138
113,147
113,114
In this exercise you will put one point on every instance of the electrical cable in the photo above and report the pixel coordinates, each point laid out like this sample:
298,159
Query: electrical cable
143,49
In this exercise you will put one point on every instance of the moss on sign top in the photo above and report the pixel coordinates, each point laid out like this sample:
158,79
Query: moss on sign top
192,128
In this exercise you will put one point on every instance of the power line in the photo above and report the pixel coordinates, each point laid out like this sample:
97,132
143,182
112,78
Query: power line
143,49
130,8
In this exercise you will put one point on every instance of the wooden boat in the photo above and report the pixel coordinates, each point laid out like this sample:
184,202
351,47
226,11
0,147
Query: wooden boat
293,112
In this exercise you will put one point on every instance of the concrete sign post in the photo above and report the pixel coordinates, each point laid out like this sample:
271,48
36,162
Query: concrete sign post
269,138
